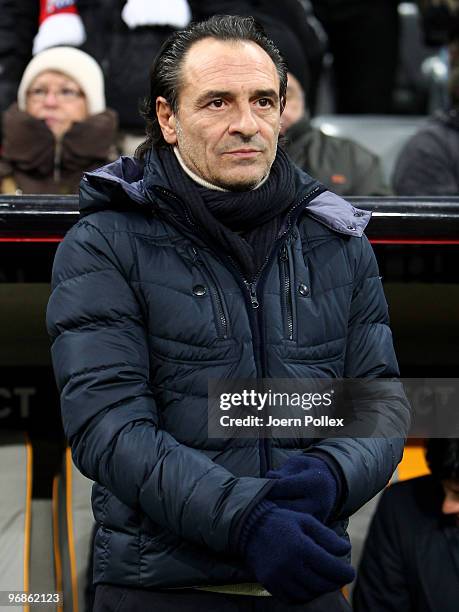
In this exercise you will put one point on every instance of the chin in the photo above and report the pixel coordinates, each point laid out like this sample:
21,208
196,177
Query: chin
240,183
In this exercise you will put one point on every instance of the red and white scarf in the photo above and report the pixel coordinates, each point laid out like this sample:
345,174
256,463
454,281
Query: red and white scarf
59,24
175,13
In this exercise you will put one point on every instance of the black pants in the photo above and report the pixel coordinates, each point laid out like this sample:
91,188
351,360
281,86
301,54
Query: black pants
111,598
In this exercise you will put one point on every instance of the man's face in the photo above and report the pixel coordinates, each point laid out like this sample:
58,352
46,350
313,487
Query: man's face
451,501
58,100
294,107
227,124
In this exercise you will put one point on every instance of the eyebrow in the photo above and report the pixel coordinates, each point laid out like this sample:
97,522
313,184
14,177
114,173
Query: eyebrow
218,93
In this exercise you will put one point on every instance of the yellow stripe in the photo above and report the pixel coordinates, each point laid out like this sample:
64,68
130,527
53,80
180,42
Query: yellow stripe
28,517
413,463
8,186
56,544
72,558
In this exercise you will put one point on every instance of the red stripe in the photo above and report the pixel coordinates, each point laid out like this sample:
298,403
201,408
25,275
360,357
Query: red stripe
442,241
51,7
27,239
425,241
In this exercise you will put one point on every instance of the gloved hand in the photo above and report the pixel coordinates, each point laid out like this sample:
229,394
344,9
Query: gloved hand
304,484
292,554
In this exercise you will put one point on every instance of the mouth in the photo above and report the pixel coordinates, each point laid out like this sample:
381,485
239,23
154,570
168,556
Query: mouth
244,153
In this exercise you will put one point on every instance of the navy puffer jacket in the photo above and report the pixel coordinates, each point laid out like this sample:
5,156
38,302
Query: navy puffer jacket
134,343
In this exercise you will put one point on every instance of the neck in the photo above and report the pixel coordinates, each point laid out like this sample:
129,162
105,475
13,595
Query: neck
197,179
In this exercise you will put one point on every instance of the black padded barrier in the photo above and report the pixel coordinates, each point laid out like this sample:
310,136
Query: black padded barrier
49,216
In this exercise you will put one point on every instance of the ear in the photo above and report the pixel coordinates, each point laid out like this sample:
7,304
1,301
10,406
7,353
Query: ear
283,102
166,120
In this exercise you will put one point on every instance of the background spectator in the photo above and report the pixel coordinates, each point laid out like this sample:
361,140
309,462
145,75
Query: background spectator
341,164
429,162
122,35
59,126
411,557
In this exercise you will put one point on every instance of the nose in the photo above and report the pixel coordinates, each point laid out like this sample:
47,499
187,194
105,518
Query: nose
450,504
50,98
244,121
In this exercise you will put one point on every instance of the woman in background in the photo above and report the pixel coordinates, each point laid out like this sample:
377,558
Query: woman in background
59,127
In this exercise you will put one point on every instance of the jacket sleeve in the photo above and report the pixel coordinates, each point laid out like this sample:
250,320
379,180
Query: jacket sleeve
367,464
381,580
101,363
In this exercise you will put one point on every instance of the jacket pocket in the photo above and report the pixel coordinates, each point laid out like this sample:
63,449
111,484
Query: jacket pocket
211,286
286,292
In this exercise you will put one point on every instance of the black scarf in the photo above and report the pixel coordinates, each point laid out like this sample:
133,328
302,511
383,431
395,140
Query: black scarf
257,214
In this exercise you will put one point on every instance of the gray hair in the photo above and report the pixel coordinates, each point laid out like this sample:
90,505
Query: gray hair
165,73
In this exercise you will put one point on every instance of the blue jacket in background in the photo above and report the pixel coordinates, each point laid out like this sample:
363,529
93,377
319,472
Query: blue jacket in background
134,344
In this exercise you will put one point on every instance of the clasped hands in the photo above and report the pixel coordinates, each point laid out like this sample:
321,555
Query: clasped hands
293,554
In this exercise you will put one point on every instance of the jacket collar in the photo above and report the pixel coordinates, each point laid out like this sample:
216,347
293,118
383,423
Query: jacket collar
141,181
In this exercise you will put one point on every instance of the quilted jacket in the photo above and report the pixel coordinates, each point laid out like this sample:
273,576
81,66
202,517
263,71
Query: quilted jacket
143,312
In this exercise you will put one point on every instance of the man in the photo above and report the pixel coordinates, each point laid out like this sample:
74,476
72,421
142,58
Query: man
212,256
339,163
429,162
411,556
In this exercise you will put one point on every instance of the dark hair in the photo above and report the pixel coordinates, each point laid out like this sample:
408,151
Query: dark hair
443,458
165,73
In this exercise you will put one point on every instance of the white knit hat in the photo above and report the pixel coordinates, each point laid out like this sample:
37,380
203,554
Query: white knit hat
74,63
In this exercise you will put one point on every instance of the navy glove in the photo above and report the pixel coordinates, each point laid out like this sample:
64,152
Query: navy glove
305,484
292,554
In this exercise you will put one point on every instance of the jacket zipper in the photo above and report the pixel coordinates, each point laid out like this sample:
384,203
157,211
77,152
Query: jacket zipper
286,289
257,328
222,321
57,160
255,318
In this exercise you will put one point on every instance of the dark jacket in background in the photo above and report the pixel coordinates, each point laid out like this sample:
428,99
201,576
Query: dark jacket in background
34,162
18,25
429,162
118,49
410,562
342,165
125,56
143,312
